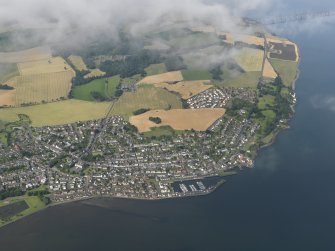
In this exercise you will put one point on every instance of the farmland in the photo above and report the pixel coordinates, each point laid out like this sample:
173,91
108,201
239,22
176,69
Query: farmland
174,76
78,62
269,72
246,80
34,54
197,74
58,113
95,73
155,69
178,119
186,89
106,87
8,71
286,69
250,59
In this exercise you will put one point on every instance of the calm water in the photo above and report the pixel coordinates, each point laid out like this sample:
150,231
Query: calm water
286,202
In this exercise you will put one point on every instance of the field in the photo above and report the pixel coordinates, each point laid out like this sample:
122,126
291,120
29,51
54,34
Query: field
146,96
186,89
33,202
178,119
250,59
191,75
155,69
56,64
95,73
34,54
248,39
266,102
8,71
195,59
249,79
287,70
57,113
78,62
269,72
106,90
173,76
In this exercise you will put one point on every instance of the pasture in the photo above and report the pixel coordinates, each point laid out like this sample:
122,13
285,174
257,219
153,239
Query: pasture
186,89
245,80
34,54
178,119
196,74
287,70
155,69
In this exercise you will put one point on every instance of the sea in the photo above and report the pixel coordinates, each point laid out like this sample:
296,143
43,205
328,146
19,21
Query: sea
286,202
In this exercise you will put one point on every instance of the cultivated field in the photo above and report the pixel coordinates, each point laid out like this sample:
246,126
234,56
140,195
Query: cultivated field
155,69
146,96
34,54
95,73
78,62
246,80
269,72
7,97
57,113
250,59
179,119
186,89
248,39
56,64
173,76
287,70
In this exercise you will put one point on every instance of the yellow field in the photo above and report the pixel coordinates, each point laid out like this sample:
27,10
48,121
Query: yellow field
58,113
248,39
56,64
186,89
179,119
95,73
34,54
78,62
250,59
7,97
173,76
269,72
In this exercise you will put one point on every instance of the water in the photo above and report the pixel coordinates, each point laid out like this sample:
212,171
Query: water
286,202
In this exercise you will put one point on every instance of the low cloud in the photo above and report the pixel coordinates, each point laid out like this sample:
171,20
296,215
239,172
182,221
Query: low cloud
324,102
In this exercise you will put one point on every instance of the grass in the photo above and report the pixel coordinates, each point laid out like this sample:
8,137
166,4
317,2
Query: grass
287,70
35,204
131,80
159,131
146,96
190,75
250,59
266,102
57,113
8,71
4,138
155,69
105,86
245,80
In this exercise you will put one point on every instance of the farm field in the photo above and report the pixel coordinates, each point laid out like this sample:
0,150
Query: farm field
287,70
8,71
34,54
78,62
83,92
57,113
95,73
186,89
178,119
173,76
269,72
155,69
146,96
56,64
246,80
250,59
249,39
192,75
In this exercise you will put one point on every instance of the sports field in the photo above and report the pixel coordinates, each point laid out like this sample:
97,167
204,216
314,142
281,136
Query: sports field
186,89
178,119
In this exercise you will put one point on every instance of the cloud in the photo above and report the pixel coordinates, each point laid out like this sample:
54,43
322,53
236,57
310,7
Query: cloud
324,102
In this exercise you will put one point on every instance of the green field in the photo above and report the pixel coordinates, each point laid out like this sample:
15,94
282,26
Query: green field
35,204
155,69
159,132
105,86
287,70
194,40
266,102
57,113
248,79
131,80
146,96
190,75
8,71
